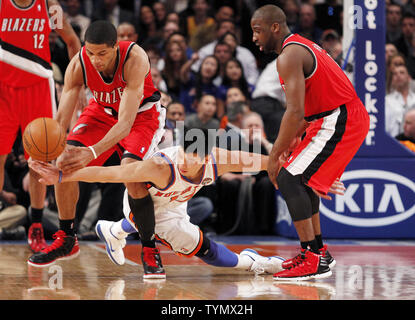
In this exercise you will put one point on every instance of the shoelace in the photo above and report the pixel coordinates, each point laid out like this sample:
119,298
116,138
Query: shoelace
59,237
150,256
37,234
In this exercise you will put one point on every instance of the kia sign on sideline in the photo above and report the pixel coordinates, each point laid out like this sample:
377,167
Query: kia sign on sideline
379,201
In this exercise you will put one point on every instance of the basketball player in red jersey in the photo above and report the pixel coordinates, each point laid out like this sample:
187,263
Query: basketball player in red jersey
27,89
123,117
321,102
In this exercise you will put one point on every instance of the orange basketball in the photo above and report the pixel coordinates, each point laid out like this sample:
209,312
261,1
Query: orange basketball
44,139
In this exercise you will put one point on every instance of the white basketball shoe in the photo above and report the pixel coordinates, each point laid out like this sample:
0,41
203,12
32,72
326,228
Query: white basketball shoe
113,244
263,264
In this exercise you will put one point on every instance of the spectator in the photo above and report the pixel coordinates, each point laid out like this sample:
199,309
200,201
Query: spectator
407,137
199,17
160,11
404,43
263,191
306,26
390,50
223,52
235,77
195,85
241,53
126,32
393,22
235,94
268,100
174,60
73,9
174,17
391,64
148,29
158,80
398,101
204,116
181,39
111,11
206,34
292,9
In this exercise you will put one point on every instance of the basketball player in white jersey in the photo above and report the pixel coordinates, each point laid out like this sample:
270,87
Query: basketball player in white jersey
174,175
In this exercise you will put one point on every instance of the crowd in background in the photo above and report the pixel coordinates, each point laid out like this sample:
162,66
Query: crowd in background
212,76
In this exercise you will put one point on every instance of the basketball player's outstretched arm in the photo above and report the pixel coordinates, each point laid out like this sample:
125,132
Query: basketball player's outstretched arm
154,170
290,66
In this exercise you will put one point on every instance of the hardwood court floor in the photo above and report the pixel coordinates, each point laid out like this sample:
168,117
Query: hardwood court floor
365,270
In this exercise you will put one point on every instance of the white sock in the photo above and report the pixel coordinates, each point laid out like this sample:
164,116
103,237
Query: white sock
118,231
244,262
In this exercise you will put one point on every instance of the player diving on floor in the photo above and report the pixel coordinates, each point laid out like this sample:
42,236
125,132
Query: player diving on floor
174,175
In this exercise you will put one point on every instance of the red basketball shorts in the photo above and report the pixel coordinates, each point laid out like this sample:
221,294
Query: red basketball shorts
329,145
19,106
146,132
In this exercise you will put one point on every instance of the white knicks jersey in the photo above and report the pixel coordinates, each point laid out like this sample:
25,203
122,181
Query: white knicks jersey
180,189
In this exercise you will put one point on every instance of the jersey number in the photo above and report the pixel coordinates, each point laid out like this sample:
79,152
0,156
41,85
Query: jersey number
38,41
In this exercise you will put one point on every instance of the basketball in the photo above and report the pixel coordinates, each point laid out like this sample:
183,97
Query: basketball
44,139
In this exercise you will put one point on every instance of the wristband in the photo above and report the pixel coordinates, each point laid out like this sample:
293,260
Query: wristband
93,151
60,176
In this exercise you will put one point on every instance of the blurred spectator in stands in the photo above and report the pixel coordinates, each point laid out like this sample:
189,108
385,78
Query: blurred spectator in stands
407,137
268,100
263,191
409,5
154,55
398,101
168,29
175,112
235,94
404,43
208,33
173,61
306,26
223,52
328,15
148,29
160,11
391,64
196,84
393,22
111,11
58,52
126,32
174,17
158,80
204,116
390,50
181,39
199,17
234,77
291,10
73,9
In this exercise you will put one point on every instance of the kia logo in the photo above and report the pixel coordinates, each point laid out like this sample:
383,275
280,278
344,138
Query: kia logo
392,189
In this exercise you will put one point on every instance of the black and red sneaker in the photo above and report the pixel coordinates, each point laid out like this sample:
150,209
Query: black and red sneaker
64,247
308,266
293,261
153,268
35,237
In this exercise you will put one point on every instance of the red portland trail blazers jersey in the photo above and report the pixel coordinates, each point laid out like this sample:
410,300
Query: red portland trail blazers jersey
24,43
108,94
327,87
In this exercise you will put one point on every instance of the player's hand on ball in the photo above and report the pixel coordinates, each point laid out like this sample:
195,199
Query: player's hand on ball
74,158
